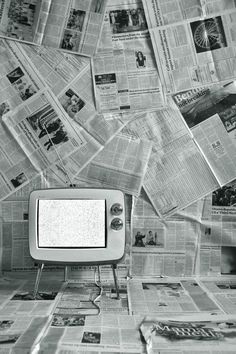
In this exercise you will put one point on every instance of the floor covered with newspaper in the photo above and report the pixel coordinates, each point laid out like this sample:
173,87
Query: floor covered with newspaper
65,319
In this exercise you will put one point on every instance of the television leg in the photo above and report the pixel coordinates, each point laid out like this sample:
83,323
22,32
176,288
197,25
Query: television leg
65,273
115,280
36,285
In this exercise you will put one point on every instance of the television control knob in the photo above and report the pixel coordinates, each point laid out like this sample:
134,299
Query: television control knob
116,224
116,209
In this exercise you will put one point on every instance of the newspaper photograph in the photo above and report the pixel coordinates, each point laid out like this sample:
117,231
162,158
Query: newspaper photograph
124,25
24,20
126,80
192,54
75,25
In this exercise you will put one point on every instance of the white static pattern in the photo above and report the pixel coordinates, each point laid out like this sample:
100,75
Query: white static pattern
71,223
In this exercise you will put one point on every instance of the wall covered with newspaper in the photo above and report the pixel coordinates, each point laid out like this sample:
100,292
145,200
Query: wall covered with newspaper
133,95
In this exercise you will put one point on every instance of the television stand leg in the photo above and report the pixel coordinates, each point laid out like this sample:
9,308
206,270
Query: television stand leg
66,273
36,285
115,280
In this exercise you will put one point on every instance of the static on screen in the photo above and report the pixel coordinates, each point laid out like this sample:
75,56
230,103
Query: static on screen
71,223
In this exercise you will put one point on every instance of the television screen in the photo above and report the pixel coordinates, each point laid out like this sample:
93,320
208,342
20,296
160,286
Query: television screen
71,223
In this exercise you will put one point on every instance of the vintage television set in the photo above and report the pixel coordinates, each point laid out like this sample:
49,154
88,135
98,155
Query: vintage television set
83,226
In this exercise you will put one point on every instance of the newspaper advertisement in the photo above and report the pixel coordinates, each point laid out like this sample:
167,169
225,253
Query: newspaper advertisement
216,333
170,181
195,53
224,291
74,25
24,20
159,13
126,80
121,164
161,249
173,295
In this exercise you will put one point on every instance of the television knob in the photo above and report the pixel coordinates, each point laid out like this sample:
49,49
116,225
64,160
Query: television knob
116,224
116,209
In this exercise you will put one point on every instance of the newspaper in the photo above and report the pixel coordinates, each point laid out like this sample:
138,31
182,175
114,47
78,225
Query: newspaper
126,80
24,20
210,108
107,333
195,52
208,333
47,139
173,295
74,25
161,13
170,181
71,25
69,78
162,249
224,291
77,299
18,334
24,94
121,164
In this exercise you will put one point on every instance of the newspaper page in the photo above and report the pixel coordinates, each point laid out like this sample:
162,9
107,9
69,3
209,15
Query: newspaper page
126,80
69,78
161,249
78,299
173,295
207,110
178,173
209,333
75,25
24,20
121,164
22,91
47,139
195,53
159,13
107,333
217,245
21,301
18,334
224,291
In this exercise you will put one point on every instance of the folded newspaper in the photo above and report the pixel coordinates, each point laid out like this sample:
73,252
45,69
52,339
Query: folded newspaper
188,333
